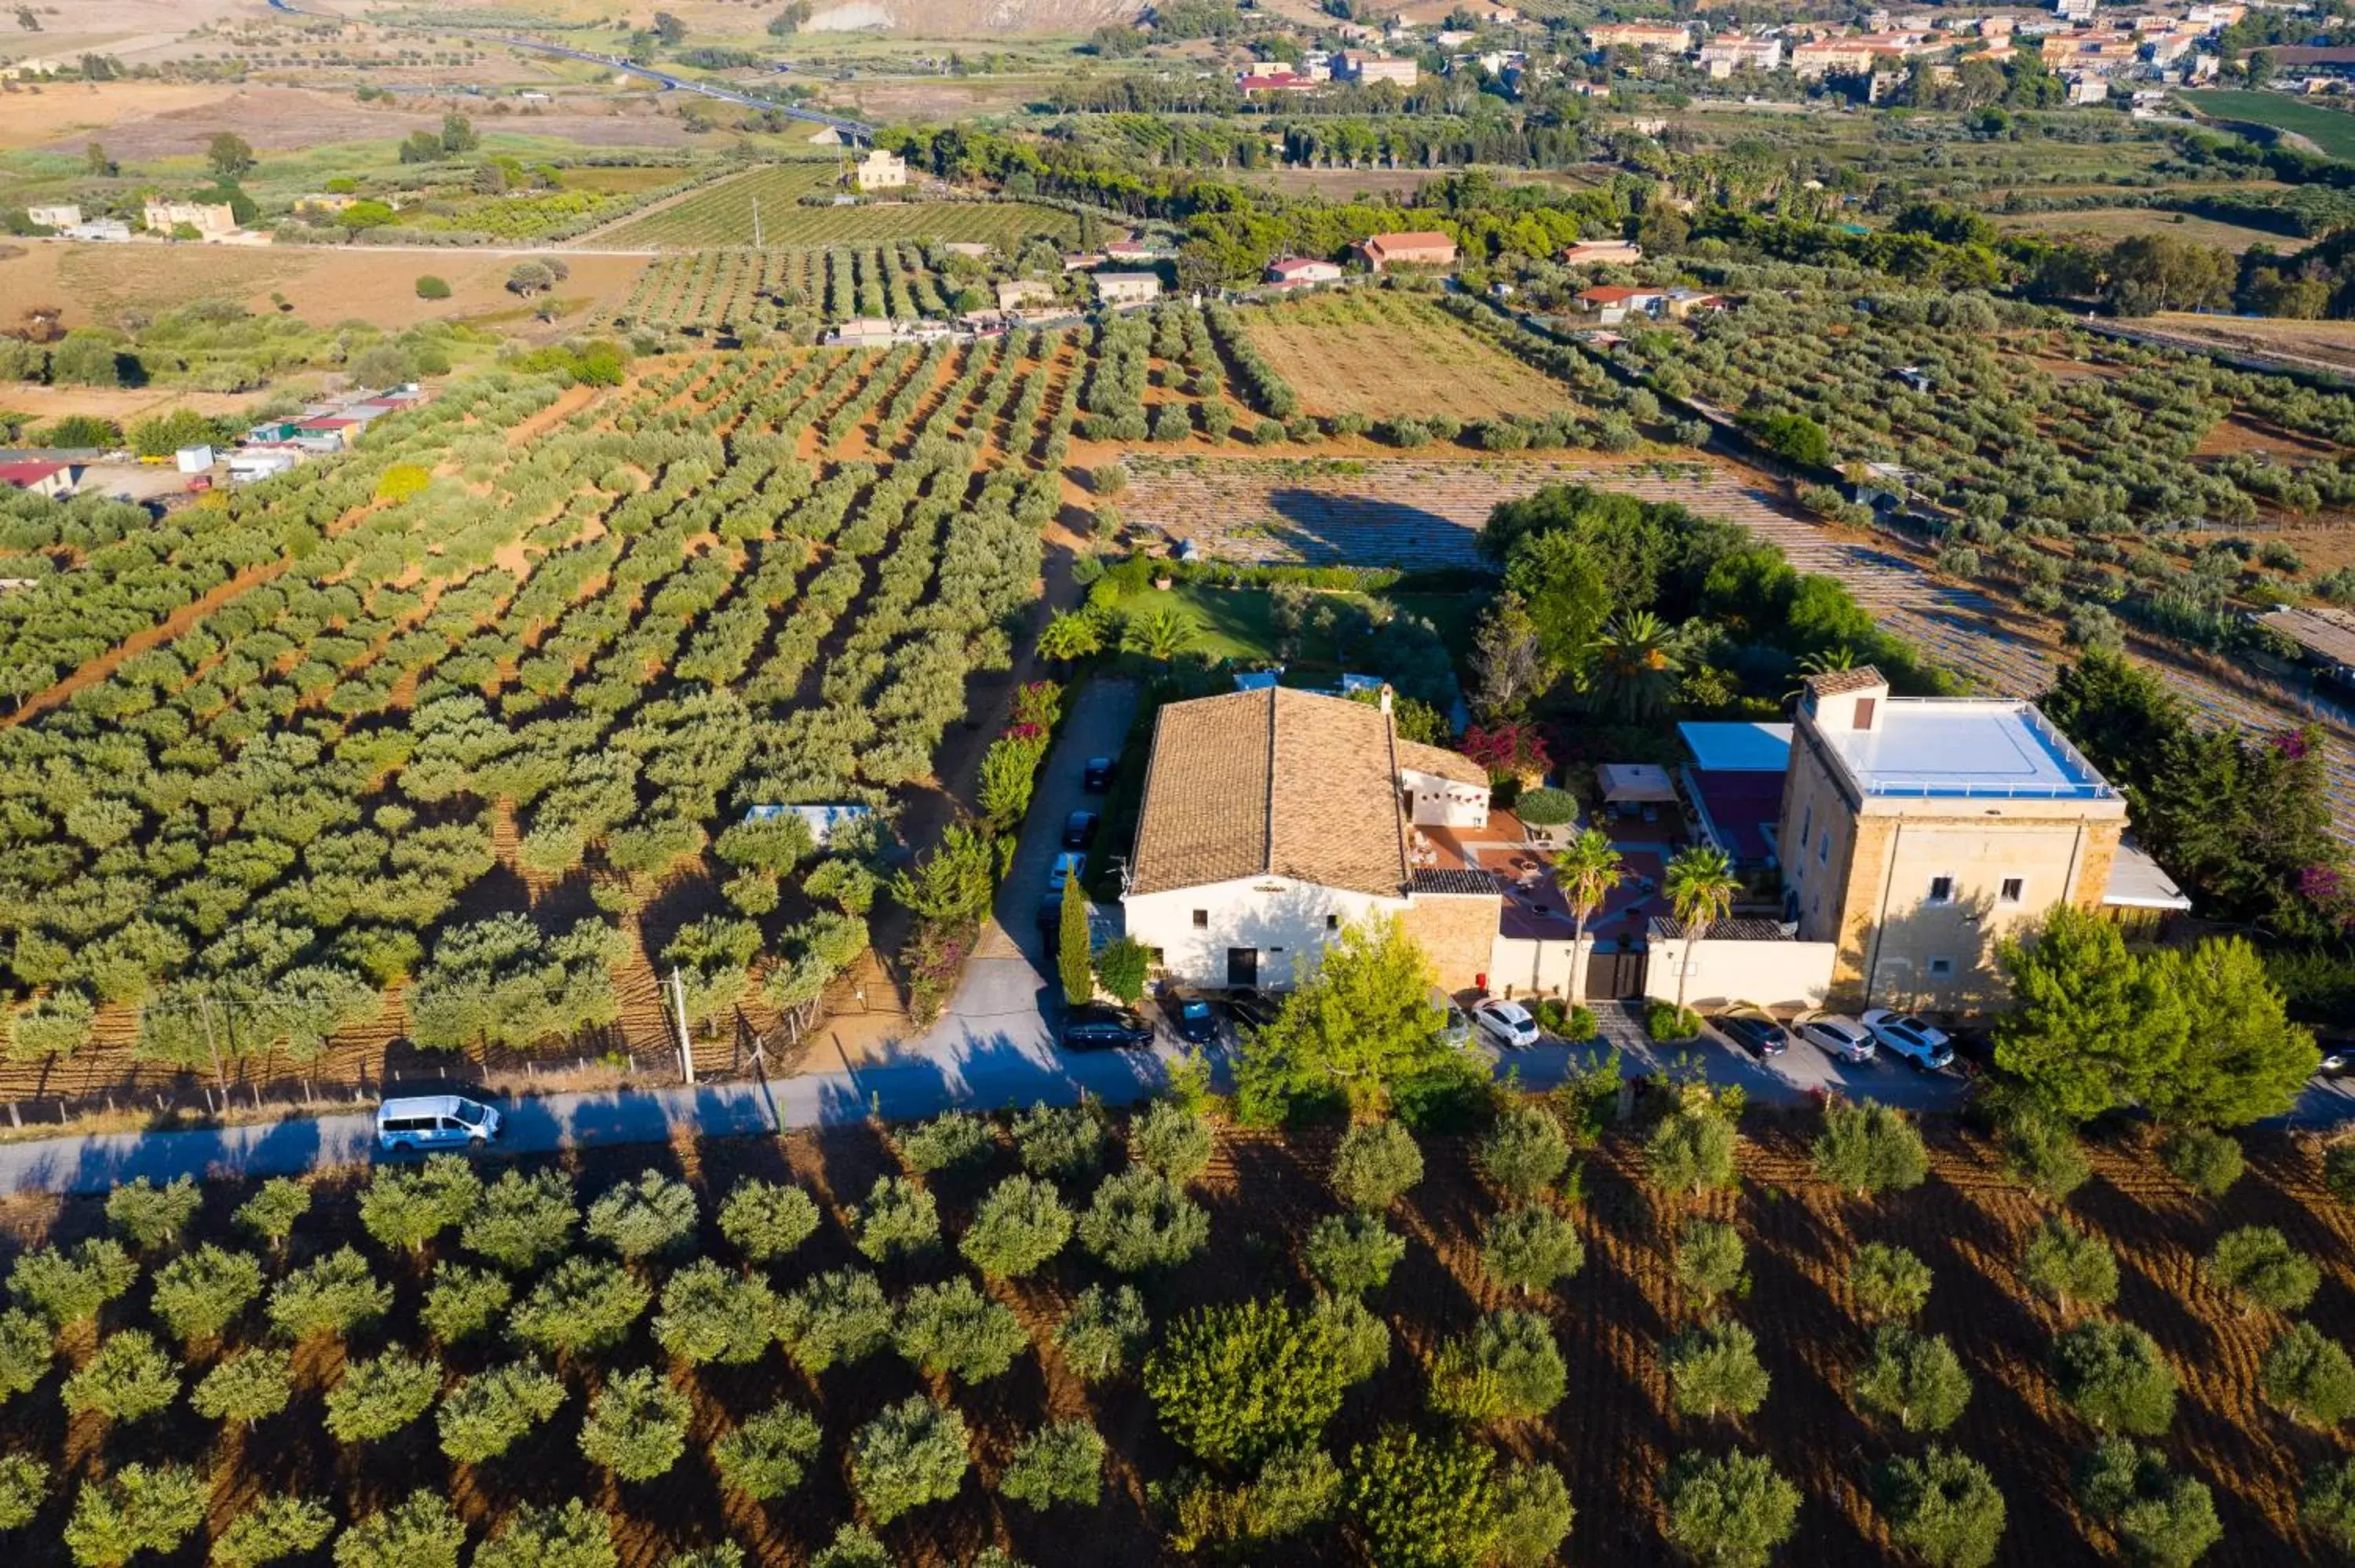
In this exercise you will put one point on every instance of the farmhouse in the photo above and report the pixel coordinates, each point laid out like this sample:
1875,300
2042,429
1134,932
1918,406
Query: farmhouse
1602,252
58,214
1409,248
1127,288
1366,68
207,217
1918,831
1296,271
881,171
863,332
1016,292
1272,817
1614,303
51,478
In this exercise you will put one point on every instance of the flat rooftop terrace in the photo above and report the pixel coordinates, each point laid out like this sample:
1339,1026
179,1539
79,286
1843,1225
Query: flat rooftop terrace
1964,748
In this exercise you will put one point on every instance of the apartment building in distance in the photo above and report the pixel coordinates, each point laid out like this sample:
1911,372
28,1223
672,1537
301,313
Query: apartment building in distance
1916,832
1367,70
1721,57
1650,38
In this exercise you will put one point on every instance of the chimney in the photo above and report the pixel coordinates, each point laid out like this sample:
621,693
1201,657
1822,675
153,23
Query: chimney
1846,699
1386,696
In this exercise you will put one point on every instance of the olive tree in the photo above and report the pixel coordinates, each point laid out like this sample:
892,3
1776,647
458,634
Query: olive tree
28,1347
1529,1248
2113,1375
2203,1159
898,1220
766,1220
2073,1268
329,1298
839,1315
1916,1380
1017,1228
249,1386
1733,1511
2310,1376
913,1453
421,1531
1887,1281
1060,1141
1942,1508
951,1139
1171,1140
462,1302
485,1415
584,1306
2256,1265
1375,1164
150,1217
636,1426
1102,1332
276,1207
407,1206
24,1487
953,1328
69,1288
768,1454
638,1219
2327,1503
1712,1260
573,1534
1533,1516
1353,1253
130,1379
201,1293
1525,1153
1141,1221
378,1396
138,1508
1062,1462
1234,1384
1868,1148
2159,1518
1421,1499
523,1219
712,1313
1713,1370
271,1529
1508,1368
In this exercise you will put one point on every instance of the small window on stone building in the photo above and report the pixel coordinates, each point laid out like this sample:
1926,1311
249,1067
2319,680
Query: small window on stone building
1941,890
2012,888
1941,967
1201,919
1332,922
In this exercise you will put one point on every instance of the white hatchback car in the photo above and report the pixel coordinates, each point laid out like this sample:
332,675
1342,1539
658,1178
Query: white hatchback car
1844,1039
1508,1023
436,1121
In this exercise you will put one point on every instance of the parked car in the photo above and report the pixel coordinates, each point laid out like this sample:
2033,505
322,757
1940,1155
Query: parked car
1754,1033
2338,1054
1923,1048
436,1121
1505,1022
1196,1021
1101,1026
1095,778
1066,868
1050,922
1842,1038
1080,829
1248,1008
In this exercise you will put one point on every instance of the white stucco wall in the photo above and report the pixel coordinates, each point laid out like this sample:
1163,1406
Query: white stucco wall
1283,919
1769,974
1434,802
1525,966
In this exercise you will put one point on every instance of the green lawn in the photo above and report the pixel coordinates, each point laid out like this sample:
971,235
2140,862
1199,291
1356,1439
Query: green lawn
1240,623
2332,129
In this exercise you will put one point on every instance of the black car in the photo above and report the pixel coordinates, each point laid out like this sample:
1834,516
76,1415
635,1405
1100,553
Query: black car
1251,1010
1196,1021
1761,1037
1100,1026
1080,829
1050,922
1097,777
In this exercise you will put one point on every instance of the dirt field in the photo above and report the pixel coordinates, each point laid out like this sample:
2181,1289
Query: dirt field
1382,354
2118,223
2326,344
1612,1437
68,114
323,285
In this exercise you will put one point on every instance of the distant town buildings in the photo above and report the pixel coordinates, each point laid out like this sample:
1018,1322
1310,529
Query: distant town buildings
1366,70
1650,38
1722,57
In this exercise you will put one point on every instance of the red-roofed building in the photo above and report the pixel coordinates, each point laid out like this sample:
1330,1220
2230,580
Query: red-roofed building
55,479
1275,82
1410,248
1296,271
1615,303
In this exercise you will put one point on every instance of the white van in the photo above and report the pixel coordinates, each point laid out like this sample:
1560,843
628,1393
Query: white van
435,1121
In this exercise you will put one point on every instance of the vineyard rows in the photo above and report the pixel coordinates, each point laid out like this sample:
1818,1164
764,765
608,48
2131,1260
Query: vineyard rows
599,645
777,287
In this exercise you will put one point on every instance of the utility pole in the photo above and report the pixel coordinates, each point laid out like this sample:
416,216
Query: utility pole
686,1049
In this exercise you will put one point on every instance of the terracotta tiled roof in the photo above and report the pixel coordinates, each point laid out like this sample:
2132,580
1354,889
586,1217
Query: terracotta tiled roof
1831,683
1276,782
1441,763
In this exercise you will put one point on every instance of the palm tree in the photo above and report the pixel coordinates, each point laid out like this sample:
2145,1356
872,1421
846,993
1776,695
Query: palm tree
1071,634
1633,666
1823,663
1587,871
1700,887
1162,633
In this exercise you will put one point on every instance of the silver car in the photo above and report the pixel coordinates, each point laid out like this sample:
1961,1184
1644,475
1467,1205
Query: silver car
1843,1039
1924,1049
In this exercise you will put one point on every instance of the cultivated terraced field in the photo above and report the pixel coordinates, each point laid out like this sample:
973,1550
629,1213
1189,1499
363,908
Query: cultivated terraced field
1384,353
720,215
